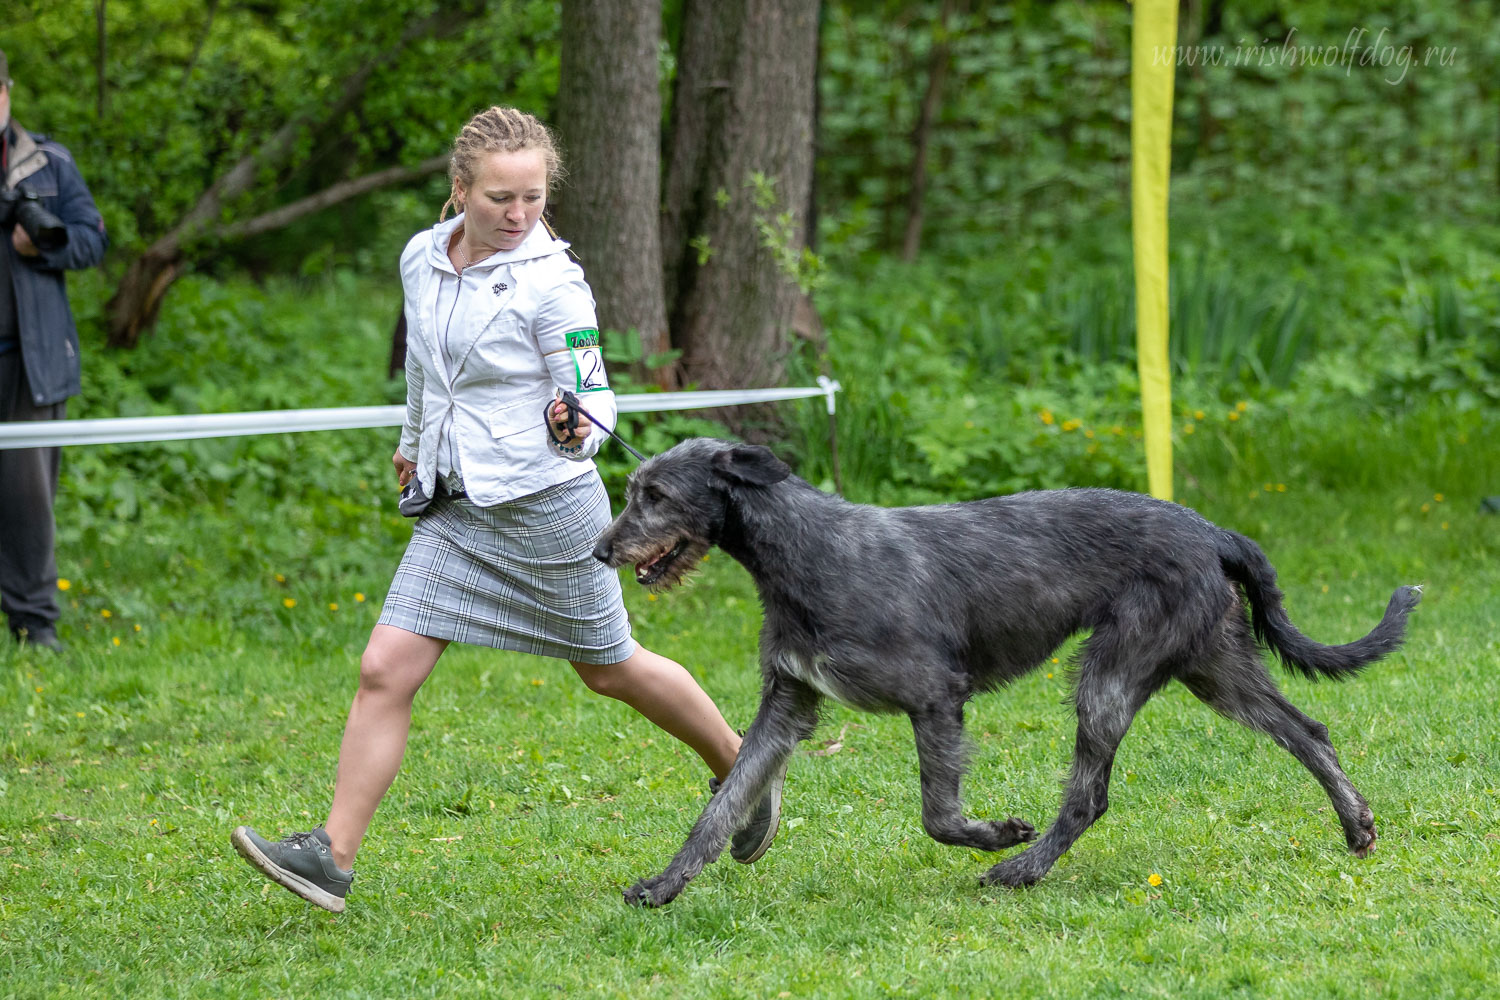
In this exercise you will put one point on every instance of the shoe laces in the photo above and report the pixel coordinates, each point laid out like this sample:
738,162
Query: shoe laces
300,840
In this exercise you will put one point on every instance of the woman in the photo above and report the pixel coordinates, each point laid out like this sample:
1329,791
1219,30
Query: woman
499,319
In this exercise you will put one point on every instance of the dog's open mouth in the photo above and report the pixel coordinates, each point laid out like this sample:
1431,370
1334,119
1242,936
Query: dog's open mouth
650,571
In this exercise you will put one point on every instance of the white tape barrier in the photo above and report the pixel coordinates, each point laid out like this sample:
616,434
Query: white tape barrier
127,430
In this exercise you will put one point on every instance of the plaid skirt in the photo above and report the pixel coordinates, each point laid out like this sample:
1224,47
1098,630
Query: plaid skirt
520,575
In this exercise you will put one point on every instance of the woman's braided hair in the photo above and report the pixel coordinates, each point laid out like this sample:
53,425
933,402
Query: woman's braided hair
499,130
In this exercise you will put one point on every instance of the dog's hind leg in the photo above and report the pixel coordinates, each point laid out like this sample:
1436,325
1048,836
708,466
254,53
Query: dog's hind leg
1238,686
939,731
788,714
1109,693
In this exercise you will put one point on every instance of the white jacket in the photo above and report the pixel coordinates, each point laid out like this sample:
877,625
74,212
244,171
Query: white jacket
538,333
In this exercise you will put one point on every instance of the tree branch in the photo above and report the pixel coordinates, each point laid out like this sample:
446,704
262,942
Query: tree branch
342,191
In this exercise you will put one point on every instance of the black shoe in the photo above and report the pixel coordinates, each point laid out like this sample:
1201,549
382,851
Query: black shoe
302,863
44,636
754,839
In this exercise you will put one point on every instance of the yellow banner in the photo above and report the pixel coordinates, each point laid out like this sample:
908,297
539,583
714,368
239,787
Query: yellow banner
1152,63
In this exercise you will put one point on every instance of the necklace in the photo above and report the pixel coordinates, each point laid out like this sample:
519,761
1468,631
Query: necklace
459,246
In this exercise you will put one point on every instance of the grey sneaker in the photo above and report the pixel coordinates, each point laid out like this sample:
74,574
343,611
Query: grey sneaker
754,839
302,863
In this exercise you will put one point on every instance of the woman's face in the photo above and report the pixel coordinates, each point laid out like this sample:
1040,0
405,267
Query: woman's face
505,200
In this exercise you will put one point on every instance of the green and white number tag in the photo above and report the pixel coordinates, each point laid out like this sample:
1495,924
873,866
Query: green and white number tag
588,360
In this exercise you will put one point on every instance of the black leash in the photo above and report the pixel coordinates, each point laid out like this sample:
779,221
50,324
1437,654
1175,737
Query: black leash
574,409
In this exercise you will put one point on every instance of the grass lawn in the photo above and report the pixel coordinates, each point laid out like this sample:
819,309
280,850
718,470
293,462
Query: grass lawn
195,698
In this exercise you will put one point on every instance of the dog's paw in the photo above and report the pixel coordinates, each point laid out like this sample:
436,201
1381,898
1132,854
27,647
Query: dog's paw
1361,837
1013,831
1014,873
652,892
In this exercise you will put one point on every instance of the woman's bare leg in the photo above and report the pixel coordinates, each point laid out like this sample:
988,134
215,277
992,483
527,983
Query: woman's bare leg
393,667
665,693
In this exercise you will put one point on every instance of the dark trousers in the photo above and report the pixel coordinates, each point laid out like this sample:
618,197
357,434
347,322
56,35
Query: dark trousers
28,485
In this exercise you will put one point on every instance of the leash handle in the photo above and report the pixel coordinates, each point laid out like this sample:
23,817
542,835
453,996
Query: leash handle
574,409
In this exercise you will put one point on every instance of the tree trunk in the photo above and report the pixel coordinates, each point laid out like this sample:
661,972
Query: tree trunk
609,115
932,102
137,299
739,173
101,83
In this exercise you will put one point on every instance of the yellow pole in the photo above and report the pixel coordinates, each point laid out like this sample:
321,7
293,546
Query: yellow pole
1153,58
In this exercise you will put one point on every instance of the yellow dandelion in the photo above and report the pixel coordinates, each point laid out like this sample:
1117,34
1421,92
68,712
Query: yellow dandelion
79,714
1445,525
359,598
650,597
1436,496
1325,588
1056,660
289,602
1154,879
1049,677
333,607
1197,414
1241,406
137,628
1426,507
152,823
1071,425
1268,487
115,640
107,613
38,690
537,682
1281,487
280,578
1117,430
1233,415
1047,417
64,584
1189,428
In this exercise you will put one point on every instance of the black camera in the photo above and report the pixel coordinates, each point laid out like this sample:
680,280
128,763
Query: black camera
22,206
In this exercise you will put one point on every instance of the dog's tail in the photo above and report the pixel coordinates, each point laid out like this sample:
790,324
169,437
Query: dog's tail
1247,565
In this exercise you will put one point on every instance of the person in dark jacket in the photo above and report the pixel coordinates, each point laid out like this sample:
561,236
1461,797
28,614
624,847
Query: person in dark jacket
39,366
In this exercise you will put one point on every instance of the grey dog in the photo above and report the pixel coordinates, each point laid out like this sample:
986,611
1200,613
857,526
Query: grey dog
916,609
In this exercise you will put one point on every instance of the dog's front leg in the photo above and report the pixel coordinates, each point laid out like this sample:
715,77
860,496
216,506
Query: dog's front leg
788,713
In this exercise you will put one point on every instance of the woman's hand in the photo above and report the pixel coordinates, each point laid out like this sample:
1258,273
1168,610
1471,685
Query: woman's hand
404,469
559,413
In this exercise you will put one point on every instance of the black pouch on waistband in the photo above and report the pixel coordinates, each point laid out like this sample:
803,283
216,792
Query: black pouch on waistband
413,501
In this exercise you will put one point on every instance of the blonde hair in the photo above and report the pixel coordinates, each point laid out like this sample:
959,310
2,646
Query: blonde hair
499,130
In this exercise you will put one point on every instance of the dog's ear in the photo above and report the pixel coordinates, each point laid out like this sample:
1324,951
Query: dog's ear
750,465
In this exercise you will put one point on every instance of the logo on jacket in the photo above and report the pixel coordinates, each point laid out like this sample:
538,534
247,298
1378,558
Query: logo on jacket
499,287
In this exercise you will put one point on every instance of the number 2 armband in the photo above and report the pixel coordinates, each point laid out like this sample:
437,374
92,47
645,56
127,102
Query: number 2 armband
588,361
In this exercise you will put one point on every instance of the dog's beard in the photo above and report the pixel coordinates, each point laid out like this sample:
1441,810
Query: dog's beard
663,565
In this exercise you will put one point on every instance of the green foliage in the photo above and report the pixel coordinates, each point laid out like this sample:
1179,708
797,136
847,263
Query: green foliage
186,97
970,377
315,502
1033,132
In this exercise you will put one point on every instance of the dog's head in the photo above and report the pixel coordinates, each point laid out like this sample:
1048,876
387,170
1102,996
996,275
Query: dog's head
676,505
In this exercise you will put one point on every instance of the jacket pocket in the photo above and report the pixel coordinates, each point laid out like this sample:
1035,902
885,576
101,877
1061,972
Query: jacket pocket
519,432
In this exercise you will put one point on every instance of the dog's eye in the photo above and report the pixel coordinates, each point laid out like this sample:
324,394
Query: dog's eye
654,495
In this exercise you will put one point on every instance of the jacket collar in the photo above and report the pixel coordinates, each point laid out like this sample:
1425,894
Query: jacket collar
538,243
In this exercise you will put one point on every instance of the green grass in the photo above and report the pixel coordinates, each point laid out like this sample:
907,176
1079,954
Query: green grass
526,804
